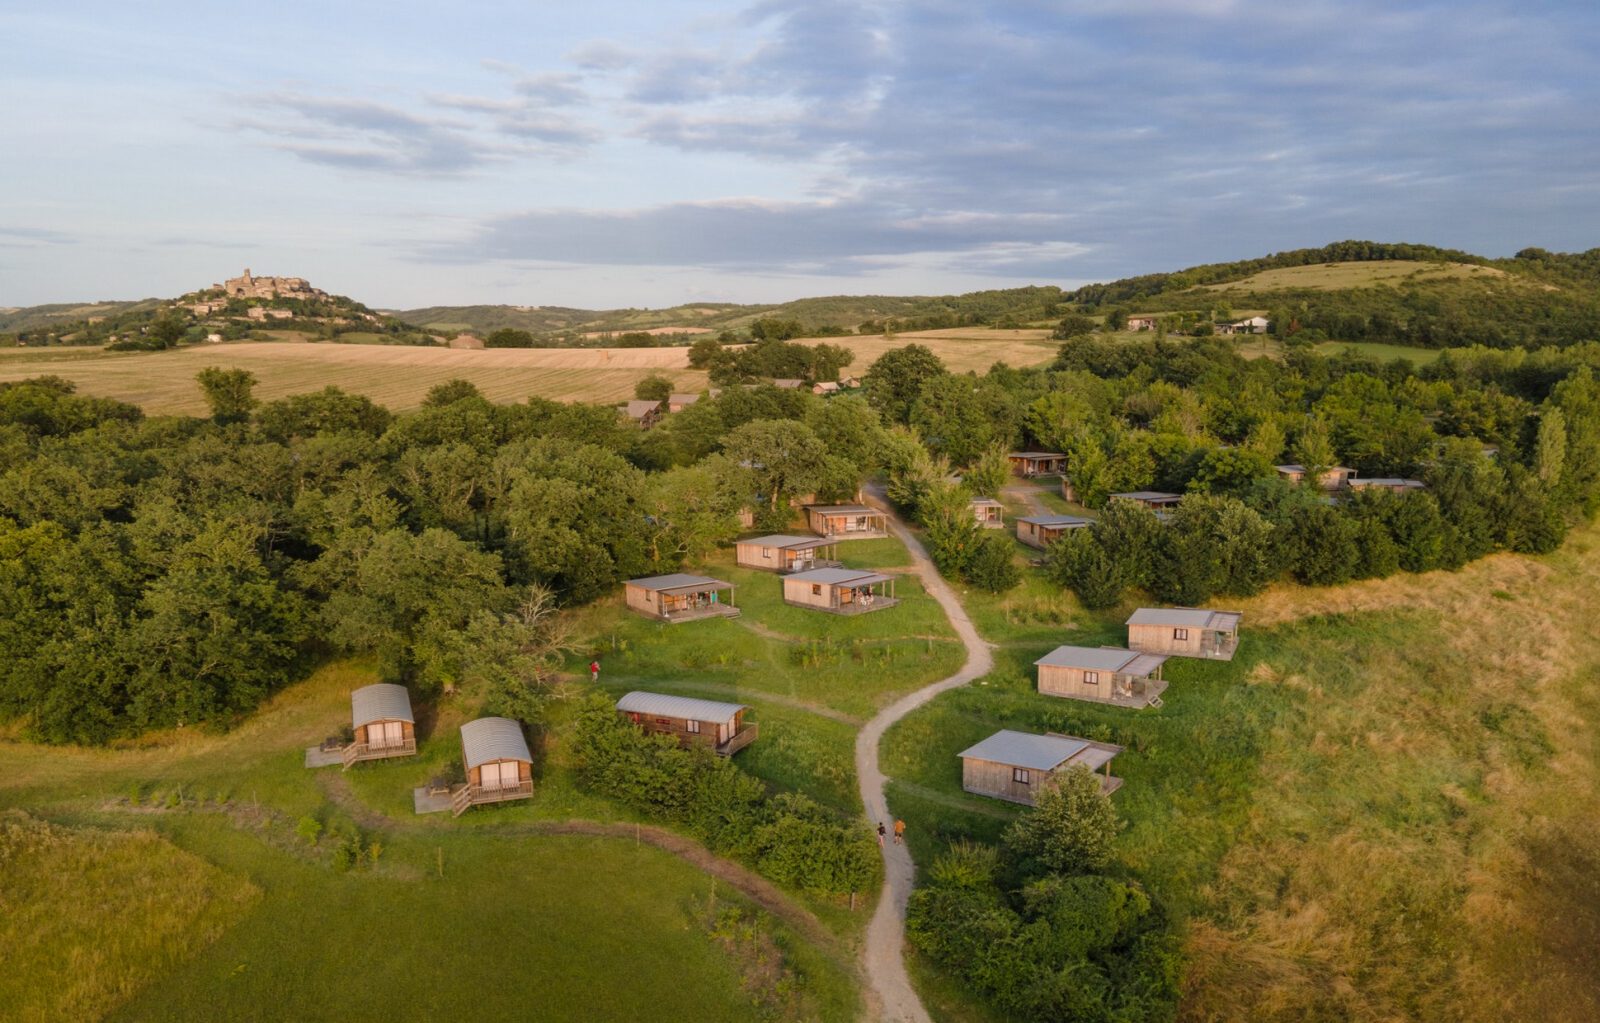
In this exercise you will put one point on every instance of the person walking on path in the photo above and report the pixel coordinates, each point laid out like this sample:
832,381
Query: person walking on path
594,671
899,831
880,834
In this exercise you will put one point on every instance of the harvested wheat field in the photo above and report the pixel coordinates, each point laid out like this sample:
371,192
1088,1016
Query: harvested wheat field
961,348
393,376
398,377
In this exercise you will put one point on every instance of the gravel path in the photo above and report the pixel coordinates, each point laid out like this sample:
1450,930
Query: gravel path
892,995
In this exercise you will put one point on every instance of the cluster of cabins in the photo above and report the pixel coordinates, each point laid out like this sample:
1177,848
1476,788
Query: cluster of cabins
1249,325
1017,766
497,764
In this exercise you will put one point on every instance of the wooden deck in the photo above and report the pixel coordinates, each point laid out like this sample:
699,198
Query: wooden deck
855,607
1146,693
743,738
694,614
359,751
468,796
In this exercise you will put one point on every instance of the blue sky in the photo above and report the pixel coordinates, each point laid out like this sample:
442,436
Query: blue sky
625,154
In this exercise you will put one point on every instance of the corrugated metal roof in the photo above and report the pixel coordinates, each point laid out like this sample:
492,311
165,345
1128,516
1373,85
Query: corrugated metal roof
844,509
838,577
1149,495
1036,454
640,409
1056,520
789,543
1023,749
1092,658
489,739
1144,664
678,581
684,707
682,399
384,701
1186,618
987,502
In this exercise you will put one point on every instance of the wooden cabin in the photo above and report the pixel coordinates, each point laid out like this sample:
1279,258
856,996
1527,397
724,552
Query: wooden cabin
825,388
988,513
847,521
1392,484
679,402
645,413
783,553
1329,479
1138,323
720,726
1028,464
788,383
1185,632
499,766
1041,530
680,597
380,717
841,591
1127,678
1017,766
1155,500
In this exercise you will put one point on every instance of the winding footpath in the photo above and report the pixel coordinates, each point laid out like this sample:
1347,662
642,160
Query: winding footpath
884,953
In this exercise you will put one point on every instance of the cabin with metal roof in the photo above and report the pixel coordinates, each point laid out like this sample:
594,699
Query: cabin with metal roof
1127,678
1185,632
382,724
693,722
988,513
678,402
847,521
1042,530
840,591
783,553
1018,766
1155,500
1028,464
644,413
680,597
499,765
1331,478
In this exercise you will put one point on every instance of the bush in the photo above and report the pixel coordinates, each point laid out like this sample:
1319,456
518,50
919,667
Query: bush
1070,830
991,566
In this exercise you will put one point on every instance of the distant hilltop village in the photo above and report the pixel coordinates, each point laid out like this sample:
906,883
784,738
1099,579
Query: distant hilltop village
250,286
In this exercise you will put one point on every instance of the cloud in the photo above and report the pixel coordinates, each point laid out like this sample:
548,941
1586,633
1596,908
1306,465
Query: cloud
363,135
847,237
29,237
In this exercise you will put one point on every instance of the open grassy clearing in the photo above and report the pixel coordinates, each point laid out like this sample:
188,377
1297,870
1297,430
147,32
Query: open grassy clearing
1364,274
575,927
811,677
1381,352
1370,814
963,349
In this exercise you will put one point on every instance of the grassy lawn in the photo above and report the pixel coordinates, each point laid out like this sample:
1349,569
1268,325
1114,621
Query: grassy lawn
1381,352
1368,814
193,837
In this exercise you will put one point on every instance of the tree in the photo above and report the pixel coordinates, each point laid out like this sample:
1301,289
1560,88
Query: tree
1313,449
229,392
850,429
992,566
952,531
783,459
988,473
1074,325
1069,830
508,659
1550,449
167,329
895,381
450,392
509,337
951,420
1229,471
654,387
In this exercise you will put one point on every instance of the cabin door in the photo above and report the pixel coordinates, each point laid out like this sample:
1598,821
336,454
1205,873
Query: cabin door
494,777
385,734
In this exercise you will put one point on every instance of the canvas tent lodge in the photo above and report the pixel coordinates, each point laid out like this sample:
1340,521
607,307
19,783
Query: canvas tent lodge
1126,678
381,720
847,521
1037,463
1042,530
783,553
988,513
1331,478
1018,766
680,597
719,726
499,766
844,591
1155,500
1185,632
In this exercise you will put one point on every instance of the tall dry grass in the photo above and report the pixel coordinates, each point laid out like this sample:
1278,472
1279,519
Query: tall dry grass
1421,845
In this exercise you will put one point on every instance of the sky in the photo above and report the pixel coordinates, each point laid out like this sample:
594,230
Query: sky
612,154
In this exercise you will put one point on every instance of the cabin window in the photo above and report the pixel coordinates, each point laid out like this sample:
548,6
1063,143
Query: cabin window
664,721
1091,678
692,727
1180,633
766,552
816,590
1021,776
